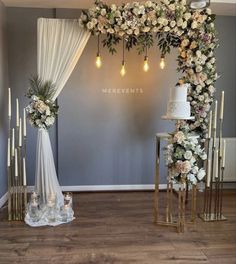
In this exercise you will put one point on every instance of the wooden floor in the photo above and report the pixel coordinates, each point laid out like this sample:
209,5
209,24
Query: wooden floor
113,228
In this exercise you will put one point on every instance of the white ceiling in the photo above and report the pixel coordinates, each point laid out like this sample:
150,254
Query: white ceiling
219,7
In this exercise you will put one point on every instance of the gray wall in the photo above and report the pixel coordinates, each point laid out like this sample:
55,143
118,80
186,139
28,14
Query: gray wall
108,138
3,100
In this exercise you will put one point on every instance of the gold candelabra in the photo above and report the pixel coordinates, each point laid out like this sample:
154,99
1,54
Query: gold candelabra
175,216
215,166
16,170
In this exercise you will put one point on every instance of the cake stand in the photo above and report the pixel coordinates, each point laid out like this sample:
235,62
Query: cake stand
165,117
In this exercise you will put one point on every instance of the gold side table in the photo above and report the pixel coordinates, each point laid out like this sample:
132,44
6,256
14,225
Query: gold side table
175,214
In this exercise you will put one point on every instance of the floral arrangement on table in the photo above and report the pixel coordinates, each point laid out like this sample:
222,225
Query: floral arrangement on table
182,156
172,24
41,111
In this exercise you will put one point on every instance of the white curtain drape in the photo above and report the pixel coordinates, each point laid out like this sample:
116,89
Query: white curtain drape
60,45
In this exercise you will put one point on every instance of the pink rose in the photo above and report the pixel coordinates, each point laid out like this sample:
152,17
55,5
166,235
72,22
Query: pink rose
183,166
179,137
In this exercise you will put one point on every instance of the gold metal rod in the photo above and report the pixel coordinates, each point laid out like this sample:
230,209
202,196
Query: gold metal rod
167,201
157,179
171,201
221,192
13,188
184,195
179,209
206,191
9,193
212,172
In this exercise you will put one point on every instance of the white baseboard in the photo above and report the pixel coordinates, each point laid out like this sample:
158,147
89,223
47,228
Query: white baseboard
98,188
3,199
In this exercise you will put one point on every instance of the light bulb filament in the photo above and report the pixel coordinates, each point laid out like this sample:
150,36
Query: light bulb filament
162,63
145,64
123,71
98,61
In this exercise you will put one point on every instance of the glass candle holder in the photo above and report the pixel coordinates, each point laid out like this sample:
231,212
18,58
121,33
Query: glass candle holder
68,199
34,211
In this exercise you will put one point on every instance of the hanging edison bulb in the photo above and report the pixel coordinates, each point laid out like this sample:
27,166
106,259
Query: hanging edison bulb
162,62
98,61
123,71
145,64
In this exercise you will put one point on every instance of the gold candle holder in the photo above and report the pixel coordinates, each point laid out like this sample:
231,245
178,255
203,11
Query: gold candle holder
213,195
170,218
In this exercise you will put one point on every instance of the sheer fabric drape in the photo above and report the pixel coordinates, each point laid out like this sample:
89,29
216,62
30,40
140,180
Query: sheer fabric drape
60,45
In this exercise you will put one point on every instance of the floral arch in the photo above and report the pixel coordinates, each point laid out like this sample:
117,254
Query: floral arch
171,24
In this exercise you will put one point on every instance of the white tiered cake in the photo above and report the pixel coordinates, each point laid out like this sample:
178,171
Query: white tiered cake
178,107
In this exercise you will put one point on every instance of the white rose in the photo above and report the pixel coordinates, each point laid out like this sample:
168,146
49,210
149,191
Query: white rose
199,88
165,22
204,156
185,42
180,22
129,32
136,31
166,2
90,25
172,7
160,20
198,53
103,12
184,25
192,178
187,16
195,170
208,11
94,21
212,60
201,174
194,25
211,89
193,160
166,28
110,30
198,68
113,7
188,155
172,23
154,22
148,4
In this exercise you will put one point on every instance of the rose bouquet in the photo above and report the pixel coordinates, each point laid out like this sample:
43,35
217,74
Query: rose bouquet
42,110
182,156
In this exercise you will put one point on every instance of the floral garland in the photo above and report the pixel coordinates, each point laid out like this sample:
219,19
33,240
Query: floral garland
174,25
41,111
182,156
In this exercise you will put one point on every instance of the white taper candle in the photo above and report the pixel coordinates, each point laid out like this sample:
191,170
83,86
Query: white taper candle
24,172
13,143
222,105
210,124
223,155
216,163
24,123
208,172
8,152
20,132
215,115
17,112
9,102
16,163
